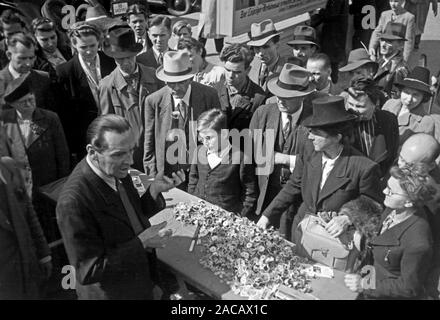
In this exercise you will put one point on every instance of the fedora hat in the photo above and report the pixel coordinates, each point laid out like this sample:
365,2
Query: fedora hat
98,16
418,78
394,31
328,111
303,35
262,32
176,67
357,58
17,89
293,81
121,43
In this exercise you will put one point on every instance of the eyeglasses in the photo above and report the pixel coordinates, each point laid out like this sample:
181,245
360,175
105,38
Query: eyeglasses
389,193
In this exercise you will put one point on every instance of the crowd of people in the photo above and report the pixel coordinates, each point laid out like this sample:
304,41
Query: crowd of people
78,111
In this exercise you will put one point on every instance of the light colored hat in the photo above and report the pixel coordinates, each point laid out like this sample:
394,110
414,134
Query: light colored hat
262,32
176,67
293,81
98,16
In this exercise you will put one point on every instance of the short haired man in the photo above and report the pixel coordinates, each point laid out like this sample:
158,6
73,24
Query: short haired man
50,53
137,18
304,44
123,91
21,55
182,30
284,135
103,221
320,69
159,33
391,60
10,23
79,80
375,131
174,107
268,61
239,96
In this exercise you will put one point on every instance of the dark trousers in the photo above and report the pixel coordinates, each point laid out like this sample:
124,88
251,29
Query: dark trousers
218,43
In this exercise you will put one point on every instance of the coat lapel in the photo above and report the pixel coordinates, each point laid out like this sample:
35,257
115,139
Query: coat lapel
38,127
315,176
391,237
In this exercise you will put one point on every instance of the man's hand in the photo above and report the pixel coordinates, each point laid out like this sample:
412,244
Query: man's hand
372,53
285,159
155,236
163,183
353,282
338,225
46,268
263,222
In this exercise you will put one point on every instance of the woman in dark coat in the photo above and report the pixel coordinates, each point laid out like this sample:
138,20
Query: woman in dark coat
402,250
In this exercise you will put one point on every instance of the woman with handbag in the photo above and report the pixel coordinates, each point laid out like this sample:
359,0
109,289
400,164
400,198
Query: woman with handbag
402,249
333,175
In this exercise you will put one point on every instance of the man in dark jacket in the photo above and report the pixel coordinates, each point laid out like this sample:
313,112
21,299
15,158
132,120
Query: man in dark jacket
103,221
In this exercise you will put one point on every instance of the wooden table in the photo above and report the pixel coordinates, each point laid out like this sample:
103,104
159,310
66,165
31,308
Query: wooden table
186,264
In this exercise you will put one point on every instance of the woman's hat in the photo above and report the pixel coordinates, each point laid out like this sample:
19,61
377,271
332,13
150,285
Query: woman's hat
176,67
262,32
394,31
293,81
357,58
328,111
418,78
121,43
303,35
17,89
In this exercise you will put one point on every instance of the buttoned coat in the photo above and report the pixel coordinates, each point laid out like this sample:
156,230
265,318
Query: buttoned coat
46,149
41,86
158,111
108,257
406,18
402,257
254,73
415,121
115,98
79,108
22,242
353,175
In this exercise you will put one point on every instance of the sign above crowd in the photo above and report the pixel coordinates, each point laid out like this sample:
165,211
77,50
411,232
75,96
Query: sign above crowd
234,17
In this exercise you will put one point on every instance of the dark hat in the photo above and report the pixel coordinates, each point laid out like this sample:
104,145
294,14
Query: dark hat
394,31
418,78
262,32
18,88
357,58
138,8
121,43
328,111
293,81
98,16
303,35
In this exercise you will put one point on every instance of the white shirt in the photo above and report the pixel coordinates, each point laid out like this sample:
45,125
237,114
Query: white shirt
110,181
157,53
327,167
295,117
93,84
143,41
15,74
215,158
185,98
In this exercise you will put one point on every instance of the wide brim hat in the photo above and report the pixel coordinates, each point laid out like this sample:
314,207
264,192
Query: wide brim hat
293,81
328,111
357,58
418,79
394,31
98,16
262,32
304,35
121,42
17,89
176,67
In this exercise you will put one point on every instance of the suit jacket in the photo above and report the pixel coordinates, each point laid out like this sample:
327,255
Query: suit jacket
402,257
46,149
240,107
158,110
79,107
416,121
42,64
254,73
148,59
407,19
41,84
352,176
109,259
22,242
3,57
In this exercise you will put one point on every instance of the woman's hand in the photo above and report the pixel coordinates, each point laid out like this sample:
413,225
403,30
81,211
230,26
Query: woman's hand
263,222
353,282
338,225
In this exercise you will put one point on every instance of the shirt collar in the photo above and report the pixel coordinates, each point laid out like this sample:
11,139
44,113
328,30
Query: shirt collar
124,74
327,88
398,218
110,181
185,97
326,159
85,64
222,153
15,74
157,53
295,116
273,64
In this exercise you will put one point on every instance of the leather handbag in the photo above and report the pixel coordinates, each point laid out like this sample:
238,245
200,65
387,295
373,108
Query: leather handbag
317,244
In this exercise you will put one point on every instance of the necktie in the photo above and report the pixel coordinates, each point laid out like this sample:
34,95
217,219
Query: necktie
287,126
387,222
182,109
129,209
160,59
264,73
